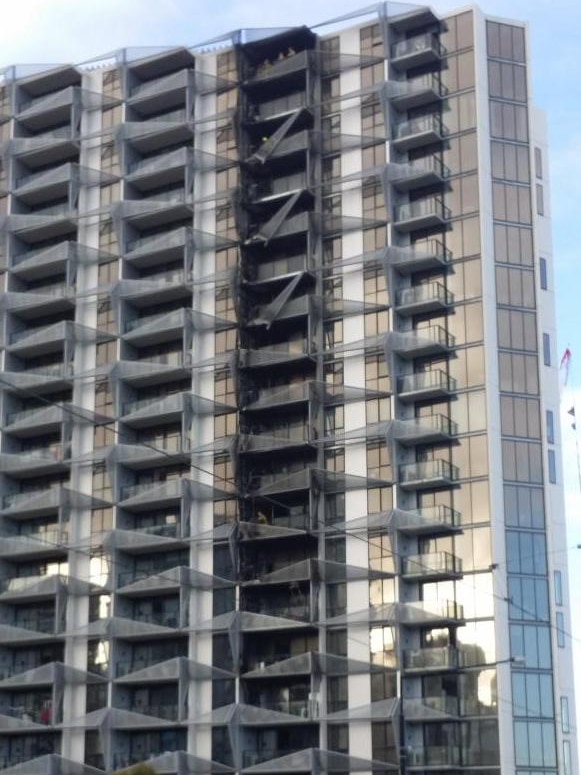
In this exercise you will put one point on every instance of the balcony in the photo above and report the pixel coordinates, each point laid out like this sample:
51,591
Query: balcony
35,503
425,385
427,475
434,566
280,68
150,495
428,429
277,438
50,543
253,757
165,711
422,342
417,92
155,329
154,411
297,612
45,186
281,270
430,520
280,396
47,223
418,132
51,147
422,299
429,255
434,757
422,214
429,171
161,94
42,460
431,660
280,108
160,170
44,419
275,354
417,51
431,613
41,340
50,375
50,299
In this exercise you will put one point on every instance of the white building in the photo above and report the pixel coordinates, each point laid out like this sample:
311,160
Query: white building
279,408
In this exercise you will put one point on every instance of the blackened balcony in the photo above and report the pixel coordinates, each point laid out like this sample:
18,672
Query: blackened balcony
433,566
425,385
417,92
283,68
417,51
418,132
300,612
422,214
279,108
441,659
424,298
276,354
280,396
409,260
280,270
427,475
282,437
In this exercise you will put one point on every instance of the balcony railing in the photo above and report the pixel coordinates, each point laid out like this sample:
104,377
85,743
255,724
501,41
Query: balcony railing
428,473
418,50
434,756
431,564
418,131
427,659
167,711
422,213
251,758
426,382
432,294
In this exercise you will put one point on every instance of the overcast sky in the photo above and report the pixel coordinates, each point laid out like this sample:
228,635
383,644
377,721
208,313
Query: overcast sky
58,31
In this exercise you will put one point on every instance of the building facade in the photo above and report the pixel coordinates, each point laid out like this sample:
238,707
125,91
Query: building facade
280,457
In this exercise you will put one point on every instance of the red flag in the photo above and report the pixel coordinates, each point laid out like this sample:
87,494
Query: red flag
565,363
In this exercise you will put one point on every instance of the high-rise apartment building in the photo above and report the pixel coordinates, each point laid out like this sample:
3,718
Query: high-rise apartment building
280,464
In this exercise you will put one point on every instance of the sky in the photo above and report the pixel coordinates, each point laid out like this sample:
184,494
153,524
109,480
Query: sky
58,31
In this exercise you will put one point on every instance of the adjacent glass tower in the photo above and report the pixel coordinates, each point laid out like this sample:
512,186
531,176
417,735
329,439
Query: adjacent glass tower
280,459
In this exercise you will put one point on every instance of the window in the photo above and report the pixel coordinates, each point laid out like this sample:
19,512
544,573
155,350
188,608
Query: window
565,722
567,758
560,630
540,200
538,163
543,274
558,588
546,349
550,426
552,467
